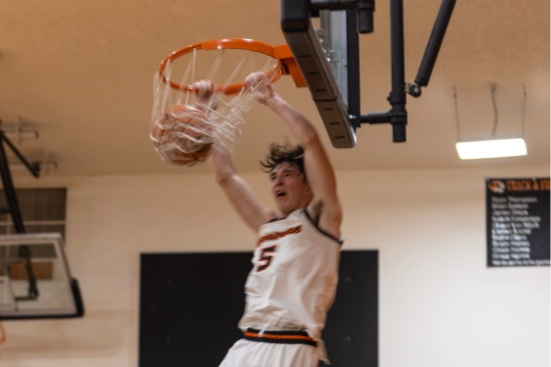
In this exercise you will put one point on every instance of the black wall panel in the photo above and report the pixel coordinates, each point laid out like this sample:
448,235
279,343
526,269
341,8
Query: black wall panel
190,304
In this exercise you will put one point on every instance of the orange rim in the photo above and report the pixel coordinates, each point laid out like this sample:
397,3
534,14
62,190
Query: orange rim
281,53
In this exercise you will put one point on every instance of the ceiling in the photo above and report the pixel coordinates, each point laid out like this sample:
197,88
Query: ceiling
80,72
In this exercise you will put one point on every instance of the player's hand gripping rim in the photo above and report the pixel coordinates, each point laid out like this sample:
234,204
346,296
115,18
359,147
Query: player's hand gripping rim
260,85
205,95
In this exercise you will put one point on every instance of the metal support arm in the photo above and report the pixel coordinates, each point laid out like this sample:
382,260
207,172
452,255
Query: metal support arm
15,212
433,47
397,116
296,26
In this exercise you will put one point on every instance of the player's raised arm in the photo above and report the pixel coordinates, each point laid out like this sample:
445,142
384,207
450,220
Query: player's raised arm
319,171
236,189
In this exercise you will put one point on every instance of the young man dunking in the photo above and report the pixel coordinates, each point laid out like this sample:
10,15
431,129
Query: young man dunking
293,282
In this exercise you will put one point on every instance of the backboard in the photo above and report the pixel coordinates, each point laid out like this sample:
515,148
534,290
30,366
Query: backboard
327,53
35,281
332,36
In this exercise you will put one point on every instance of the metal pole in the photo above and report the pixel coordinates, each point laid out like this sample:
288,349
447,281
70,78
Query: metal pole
34,170
353,68
7,182
382,117
397,97
365,16
435,41
11,198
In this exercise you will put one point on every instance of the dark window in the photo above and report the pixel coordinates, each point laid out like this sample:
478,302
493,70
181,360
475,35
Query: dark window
43,211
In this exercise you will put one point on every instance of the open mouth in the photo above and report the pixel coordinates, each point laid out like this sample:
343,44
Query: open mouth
280,194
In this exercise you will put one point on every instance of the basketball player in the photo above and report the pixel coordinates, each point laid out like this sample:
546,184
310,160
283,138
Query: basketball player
293,282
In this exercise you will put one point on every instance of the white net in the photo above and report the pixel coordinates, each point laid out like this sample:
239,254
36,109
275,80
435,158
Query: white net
185,132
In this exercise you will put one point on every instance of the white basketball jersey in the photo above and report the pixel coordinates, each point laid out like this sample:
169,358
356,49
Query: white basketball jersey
293,282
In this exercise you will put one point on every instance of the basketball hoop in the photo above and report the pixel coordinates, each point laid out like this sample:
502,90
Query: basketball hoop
179,134
286,63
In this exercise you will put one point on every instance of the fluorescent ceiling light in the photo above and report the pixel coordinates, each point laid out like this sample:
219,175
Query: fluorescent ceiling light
491,148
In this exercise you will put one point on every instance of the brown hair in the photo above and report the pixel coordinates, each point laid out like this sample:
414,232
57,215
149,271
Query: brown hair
294,155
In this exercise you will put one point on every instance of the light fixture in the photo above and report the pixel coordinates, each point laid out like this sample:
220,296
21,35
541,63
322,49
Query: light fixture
491,148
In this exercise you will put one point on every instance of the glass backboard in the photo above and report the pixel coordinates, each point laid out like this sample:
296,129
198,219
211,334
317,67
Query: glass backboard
35,281
333,39
326,52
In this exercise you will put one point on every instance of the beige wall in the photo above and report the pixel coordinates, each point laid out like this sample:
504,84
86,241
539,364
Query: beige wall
439,303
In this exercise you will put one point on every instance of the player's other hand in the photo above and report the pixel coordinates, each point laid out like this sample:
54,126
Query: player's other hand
261,87
205,95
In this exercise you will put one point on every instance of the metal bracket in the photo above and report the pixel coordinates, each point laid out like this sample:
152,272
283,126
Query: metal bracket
19,131
314,64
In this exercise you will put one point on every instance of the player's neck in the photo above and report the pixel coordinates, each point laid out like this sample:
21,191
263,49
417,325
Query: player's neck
285,213
301,206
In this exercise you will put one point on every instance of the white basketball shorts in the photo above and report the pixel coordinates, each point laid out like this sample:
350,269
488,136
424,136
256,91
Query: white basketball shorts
247,353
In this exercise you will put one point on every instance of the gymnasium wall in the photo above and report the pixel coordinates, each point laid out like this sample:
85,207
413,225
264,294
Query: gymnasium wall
439,304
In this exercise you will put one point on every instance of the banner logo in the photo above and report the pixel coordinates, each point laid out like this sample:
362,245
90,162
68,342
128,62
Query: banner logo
497,186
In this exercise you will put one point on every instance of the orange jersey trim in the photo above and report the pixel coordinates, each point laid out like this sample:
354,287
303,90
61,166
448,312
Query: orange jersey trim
278,235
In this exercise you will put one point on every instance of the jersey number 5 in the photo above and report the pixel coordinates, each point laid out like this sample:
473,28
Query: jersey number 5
265,258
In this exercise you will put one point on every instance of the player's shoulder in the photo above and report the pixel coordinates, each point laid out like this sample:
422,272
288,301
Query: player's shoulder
267,215
326,216
270,214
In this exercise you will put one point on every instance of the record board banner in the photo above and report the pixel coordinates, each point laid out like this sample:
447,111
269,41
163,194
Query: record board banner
517,221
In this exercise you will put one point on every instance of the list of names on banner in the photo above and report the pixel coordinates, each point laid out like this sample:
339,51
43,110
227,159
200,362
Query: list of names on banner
518,221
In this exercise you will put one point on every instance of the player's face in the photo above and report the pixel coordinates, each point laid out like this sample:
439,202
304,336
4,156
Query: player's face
290,189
